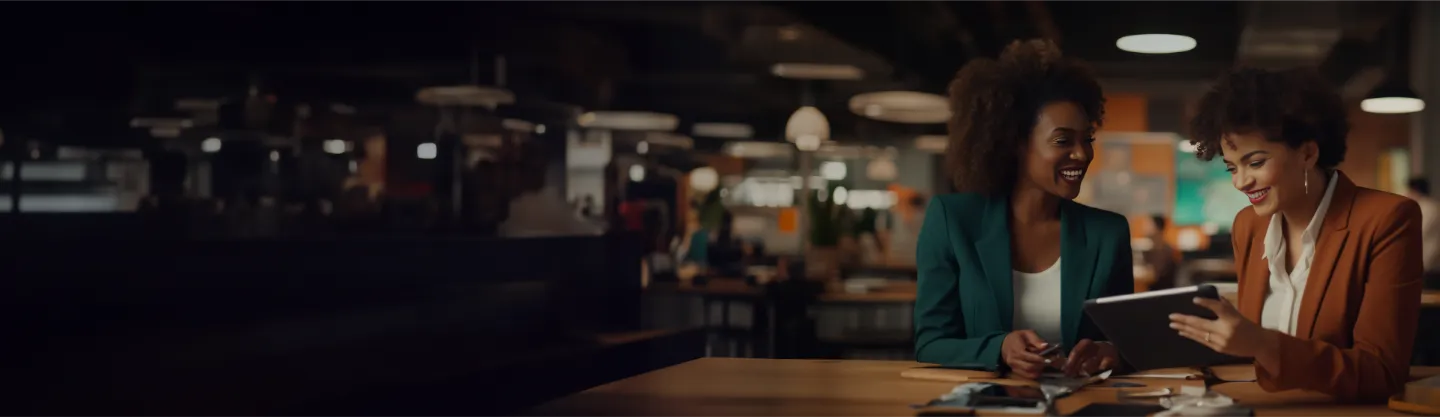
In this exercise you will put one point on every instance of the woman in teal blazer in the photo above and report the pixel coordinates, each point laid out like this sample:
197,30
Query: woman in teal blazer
1006,264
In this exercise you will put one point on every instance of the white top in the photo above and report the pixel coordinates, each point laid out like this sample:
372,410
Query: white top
1037,302
1287,288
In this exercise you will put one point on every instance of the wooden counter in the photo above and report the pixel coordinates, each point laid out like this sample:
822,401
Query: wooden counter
737,387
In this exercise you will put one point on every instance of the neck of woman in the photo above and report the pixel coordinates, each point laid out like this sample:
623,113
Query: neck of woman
1298,218
1030,204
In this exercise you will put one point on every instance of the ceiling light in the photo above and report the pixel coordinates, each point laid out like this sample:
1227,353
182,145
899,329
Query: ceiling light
1392,105
723,130
902,107
426,150
274,156
833,170
807,124
629,120
817,71
637,173
539,129
465,96
517,125
210,145
882,169
642,148
334,146
757,149
704,179
1393,98
807,143
932,143
1155,43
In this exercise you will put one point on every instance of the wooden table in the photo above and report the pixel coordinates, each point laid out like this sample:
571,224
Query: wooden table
741,387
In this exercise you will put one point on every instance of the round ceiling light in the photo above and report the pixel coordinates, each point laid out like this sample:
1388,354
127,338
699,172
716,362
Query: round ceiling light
1392,105
901,107
1155,43
704,179
629,120
808,126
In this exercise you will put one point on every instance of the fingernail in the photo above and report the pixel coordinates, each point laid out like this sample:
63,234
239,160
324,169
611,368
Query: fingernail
1174,317
1196,300
1174,326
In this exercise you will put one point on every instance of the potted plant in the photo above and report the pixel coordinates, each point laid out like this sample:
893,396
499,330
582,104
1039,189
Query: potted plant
827,226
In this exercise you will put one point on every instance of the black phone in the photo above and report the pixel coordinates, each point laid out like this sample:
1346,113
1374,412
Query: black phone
1007,396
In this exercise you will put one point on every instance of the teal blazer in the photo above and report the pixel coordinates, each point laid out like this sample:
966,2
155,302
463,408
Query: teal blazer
965,302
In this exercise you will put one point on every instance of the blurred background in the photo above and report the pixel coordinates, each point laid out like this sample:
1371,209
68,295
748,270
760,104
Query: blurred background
295,207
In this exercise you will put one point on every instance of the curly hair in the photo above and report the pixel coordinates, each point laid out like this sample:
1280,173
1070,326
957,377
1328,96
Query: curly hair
1292,106
995,104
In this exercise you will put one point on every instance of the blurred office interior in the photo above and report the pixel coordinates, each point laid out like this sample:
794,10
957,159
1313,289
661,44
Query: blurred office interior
358,207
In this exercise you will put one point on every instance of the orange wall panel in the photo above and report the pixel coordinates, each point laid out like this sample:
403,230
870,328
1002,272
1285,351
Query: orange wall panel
1127,113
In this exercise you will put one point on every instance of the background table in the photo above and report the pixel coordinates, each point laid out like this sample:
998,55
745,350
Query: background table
738,387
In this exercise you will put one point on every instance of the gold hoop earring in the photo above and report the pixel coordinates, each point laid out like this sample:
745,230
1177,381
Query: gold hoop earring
1307,182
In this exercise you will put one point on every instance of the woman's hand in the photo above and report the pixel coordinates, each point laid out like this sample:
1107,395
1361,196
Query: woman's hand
1230,333
1018,351
1089,358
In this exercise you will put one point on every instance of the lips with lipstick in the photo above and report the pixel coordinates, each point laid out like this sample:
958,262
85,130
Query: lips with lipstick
1256,196
1072,174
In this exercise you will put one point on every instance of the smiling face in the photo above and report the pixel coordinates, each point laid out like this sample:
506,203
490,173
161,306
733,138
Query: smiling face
1271,174
1059,151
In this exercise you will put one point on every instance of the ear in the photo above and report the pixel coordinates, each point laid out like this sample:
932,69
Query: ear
1311,153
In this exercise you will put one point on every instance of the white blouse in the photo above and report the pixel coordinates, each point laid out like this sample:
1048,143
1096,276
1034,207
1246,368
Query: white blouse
1287,288
1037,302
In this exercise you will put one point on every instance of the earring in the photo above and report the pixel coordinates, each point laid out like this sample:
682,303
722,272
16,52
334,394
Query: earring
1307,182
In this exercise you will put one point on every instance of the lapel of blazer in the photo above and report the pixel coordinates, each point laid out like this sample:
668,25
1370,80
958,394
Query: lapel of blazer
1255,269
1078,252
993,247
1327,253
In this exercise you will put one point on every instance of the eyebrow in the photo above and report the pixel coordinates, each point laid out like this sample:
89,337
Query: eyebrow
1246,156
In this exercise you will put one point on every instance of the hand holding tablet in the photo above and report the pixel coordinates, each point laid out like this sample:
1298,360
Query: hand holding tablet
1229,333
1140,327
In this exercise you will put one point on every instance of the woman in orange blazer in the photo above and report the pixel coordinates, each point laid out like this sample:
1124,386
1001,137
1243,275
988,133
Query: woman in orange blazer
1330,272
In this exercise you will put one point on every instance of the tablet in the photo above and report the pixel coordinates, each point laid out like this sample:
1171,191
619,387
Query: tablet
1139,326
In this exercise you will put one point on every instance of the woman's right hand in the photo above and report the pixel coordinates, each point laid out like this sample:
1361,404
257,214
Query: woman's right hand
1018,352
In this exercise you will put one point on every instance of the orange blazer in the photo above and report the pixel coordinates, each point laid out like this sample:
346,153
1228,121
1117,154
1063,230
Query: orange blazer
1359,312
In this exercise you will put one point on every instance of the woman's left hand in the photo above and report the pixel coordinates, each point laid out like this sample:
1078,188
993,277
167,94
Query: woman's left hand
1230,333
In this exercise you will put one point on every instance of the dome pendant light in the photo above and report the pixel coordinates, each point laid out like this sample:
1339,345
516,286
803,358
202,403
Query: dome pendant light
1395,96
1392,98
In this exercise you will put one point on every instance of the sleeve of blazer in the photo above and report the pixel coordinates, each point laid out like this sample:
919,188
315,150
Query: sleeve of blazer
1379,362
940,335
